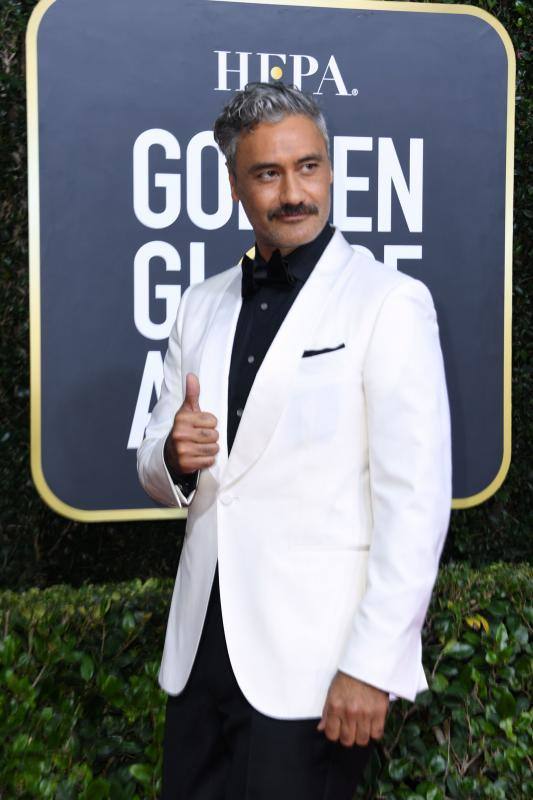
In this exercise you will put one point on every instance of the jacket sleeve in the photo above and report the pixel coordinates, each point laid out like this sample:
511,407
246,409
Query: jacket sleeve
409,451
153,473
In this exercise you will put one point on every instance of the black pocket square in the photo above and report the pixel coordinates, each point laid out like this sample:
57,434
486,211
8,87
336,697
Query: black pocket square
307,353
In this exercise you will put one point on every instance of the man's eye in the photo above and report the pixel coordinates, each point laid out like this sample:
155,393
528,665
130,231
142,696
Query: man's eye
310,166
267,175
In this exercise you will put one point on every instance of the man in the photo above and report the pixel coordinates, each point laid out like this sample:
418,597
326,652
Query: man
304,420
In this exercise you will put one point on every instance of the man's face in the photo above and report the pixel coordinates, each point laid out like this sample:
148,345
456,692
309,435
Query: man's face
283,178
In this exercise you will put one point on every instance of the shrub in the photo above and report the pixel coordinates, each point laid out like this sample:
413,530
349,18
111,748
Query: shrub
40,548
82,714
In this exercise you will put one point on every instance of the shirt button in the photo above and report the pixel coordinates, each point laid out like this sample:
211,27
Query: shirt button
264,306
251,359
239,412
226,500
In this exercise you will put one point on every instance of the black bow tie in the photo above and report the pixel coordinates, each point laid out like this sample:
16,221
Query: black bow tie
256,273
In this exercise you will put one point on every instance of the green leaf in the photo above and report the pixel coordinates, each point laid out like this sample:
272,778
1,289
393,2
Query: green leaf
478,677
498,608
21,743
142,773
47,713
98,789
449,669
501,636
8,648
457,689
453,786
523,666
507,727
472,638
128,622
86,668
399,768
505,703
439,683
112,687
437,764
459,650
521,635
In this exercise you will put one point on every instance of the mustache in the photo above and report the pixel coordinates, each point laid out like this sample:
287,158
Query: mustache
290,210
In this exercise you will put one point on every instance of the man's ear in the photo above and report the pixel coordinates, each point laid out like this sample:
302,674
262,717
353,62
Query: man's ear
233,185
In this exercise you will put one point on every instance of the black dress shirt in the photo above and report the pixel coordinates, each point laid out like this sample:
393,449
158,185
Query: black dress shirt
260,318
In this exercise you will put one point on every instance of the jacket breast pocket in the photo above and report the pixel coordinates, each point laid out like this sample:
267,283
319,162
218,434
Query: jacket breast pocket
322,351
323,366
317,397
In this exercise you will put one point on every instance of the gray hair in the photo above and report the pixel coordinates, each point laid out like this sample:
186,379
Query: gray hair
262,102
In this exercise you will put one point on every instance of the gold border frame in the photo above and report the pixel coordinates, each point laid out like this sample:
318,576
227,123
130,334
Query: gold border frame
34,249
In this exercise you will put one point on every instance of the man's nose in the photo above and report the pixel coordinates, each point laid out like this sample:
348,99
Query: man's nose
290,190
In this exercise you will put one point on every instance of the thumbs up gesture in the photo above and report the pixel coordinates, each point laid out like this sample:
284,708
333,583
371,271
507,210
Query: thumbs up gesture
192,442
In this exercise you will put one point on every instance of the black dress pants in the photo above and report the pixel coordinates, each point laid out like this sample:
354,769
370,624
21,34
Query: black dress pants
218,747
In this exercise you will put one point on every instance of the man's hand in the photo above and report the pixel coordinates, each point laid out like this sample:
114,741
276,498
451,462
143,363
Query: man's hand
192,442
354,711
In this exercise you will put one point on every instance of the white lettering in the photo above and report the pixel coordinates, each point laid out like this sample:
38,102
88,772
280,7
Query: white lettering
244,222
170,182
297,68
392,253
389,173
224,70
170,293
336,77
151,382
343,183
197,215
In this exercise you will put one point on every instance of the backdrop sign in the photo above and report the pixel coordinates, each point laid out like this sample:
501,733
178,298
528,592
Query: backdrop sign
129,203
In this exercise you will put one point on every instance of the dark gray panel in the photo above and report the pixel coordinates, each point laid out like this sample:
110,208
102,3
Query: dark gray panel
109,70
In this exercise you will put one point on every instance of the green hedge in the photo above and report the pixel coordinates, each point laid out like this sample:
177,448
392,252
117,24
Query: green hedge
39,548
81,712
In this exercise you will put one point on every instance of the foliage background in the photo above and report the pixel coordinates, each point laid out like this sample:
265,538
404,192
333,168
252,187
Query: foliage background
81,716
40,548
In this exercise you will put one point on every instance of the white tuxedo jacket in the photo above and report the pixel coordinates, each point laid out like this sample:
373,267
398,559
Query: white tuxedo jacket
329,516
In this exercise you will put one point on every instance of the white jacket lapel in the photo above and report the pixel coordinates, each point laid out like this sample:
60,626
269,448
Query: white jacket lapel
215,363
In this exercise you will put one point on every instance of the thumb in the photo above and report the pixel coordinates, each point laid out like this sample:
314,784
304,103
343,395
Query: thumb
322,724
192,392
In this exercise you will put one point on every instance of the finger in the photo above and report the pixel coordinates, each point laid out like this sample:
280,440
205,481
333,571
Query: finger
195,462
184,431
201,450
187,450
362,733
333,727
192,392
322,724
204,419
201,435
348,732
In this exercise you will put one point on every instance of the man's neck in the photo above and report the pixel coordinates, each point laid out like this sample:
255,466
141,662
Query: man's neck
265,251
